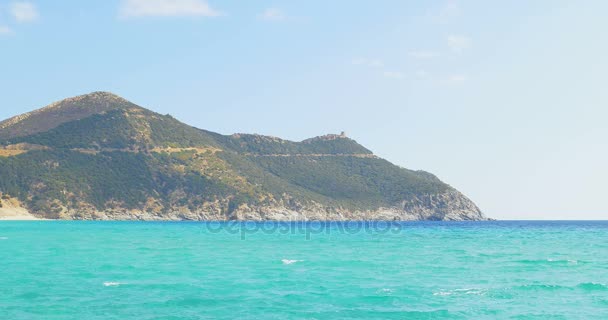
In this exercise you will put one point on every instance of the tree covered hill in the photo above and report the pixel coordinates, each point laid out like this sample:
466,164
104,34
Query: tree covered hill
99,156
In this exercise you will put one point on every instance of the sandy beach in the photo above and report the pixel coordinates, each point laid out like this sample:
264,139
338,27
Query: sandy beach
17,217
10,211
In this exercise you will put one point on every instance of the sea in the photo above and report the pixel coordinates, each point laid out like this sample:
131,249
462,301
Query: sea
314,270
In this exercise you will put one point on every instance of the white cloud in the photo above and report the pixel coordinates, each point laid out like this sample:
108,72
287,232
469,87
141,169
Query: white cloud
358,61
422,74
393,74
449,11
4,30
422,54
376,63
273,14
24,11
458,43
444,14
166,8
457,78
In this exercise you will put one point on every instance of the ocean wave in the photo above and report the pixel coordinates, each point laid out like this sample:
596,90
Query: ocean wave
111,284
287,261
385,291
586,286
463,291
430,314
569,261
541,287
592,286
549,261
3,238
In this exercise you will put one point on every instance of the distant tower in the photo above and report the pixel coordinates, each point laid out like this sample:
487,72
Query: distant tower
343,134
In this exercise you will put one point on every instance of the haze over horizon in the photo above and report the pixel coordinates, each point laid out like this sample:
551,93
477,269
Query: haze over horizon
504,101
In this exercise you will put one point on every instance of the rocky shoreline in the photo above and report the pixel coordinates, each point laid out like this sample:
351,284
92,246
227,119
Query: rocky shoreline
449,206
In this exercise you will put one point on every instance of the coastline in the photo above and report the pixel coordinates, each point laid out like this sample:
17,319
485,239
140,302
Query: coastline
451,206
20,218
17,214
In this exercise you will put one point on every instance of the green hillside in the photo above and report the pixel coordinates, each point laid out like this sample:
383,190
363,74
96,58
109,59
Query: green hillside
118,157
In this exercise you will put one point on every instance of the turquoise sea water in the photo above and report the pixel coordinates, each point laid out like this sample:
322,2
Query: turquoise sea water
432,270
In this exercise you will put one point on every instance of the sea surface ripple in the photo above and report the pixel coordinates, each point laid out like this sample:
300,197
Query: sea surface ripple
192,270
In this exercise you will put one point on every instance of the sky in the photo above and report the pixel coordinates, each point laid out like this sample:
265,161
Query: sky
504,100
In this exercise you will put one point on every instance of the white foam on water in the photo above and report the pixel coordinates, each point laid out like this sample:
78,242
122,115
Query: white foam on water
478,292
111,284
287,261
474,291
570,261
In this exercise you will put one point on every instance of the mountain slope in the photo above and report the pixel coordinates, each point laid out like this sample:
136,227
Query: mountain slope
98,156
61,112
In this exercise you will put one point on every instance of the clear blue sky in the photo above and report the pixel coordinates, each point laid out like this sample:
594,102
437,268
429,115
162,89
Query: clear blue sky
505,100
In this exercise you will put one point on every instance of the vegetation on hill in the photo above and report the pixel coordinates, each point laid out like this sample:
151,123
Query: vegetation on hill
264,145
60,112
124,156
